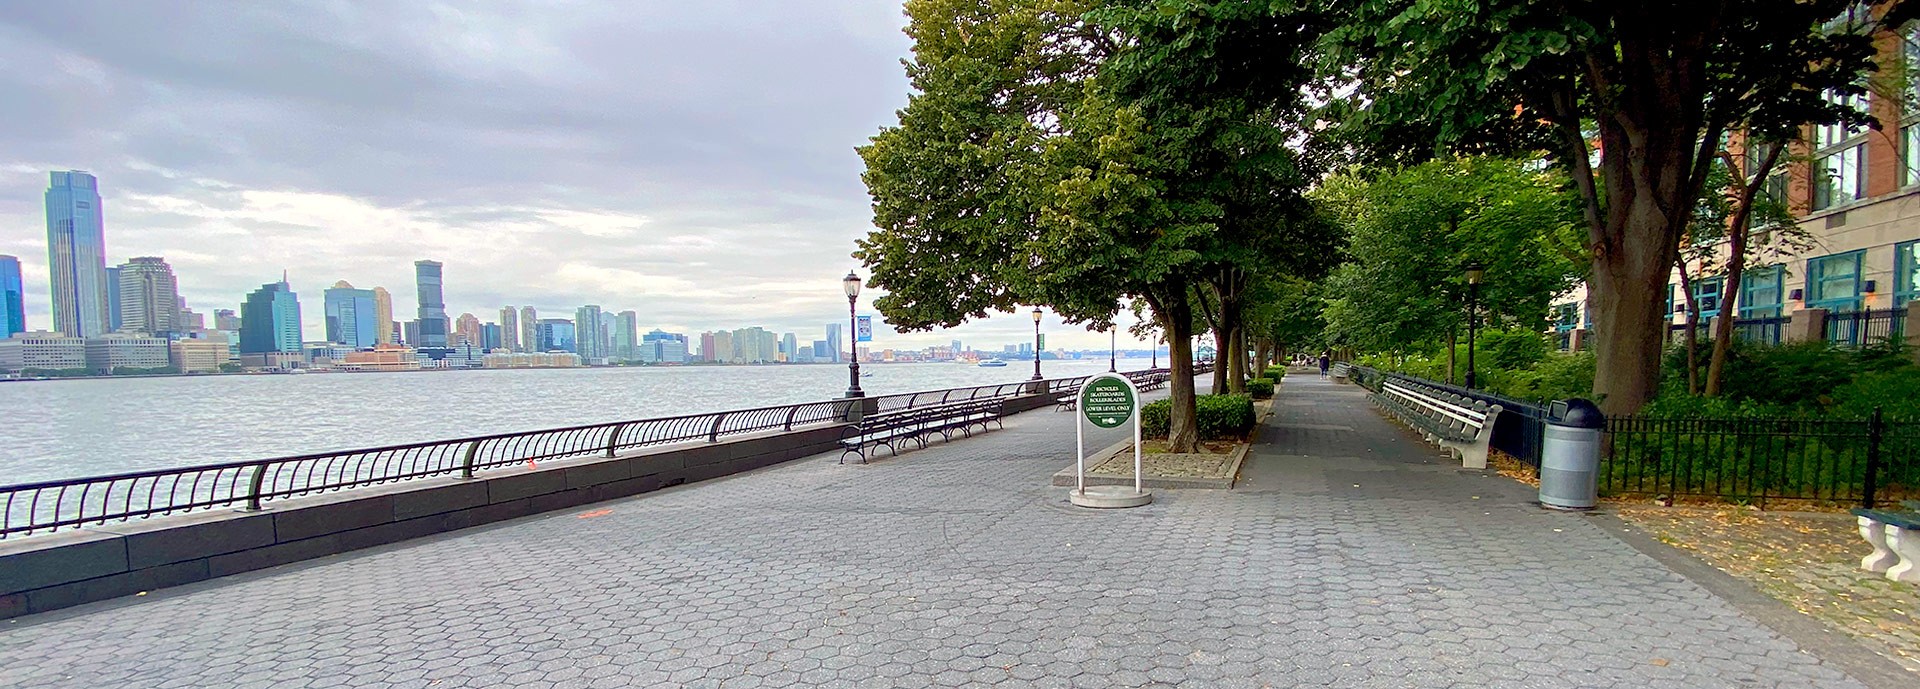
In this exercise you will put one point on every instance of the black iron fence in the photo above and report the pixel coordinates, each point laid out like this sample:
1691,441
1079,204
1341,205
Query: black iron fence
1767,330
1758,460
1866,327
72,503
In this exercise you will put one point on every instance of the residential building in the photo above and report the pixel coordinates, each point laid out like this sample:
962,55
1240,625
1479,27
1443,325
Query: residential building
607,321
383,325
13,298
586,323
724,351
836,347
706,346
226,319
554,335
529,330
42,350
432,315
531,360
205,352
626,331
353,316
383,357
77,255
149,296
509,329
119,351
466,330
270,320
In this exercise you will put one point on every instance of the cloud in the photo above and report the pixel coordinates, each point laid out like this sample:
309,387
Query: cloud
690,161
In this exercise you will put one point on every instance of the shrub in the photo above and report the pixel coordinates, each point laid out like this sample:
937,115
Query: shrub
1219,416
1276,372
1260,388
1558,377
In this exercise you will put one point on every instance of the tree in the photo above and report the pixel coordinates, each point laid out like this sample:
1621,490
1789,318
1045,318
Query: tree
1029,168
1410,232
1652,84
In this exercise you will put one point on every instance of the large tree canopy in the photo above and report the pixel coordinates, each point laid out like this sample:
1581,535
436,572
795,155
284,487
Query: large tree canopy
1651,84
1056,156
1412,230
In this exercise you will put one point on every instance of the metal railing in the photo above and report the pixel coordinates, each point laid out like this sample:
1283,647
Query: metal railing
71,503
1871,326
1765,330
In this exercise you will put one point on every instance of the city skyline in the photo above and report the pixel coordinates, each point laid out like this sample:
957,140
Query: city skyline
627,188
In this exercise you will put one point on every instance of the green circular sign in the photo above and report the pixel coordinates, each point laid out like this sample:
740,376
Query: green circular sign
1107,402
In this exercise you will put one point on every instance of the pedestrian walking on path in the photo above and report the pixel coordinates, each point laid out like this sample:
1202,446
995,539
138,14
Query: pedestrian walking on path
1326,361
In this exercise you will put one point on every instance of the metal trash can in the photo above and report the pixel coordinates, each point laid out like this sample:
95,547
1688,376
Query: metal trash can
1570,457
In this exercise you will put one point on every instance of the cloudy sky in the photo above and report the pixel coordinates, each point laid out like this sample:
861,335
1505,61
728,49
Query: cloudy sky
690,161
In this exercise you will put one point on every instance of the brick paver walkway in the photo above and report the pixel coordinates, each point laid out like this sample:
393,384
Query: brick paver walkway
1351,557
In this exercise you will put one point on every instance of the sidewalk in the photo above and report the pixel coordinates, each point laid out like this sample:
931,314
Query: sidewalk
1352,556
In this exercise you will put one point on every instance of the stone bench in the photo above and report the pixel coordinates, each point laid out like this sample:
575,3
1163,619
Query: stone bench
1895,537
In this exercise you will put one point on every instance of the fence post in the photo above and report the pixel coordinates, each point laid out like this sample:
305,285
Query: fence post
713,436
790,412
466,462
255,484
613,441
1874,429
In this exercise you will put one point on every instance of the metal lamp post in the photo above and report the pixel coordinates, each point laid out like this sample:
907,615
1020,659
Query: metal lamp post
1113,350
1036,343
852,285
1474,272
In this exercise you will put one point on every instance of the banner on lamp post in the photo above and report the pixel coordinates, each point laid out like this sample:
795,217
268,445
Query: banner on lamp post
863,329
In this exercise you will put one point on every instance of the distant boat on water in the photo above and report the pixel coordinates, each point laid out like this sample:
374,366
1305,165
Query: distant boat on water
992,363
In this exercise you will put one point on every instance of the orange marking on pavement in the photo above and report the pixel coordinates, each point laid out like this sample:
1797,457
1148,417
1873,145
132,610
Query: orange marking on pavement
595,513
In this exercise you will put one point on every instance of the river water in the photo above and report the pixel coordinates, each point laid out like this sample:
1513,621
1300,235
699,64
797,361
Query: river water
68,429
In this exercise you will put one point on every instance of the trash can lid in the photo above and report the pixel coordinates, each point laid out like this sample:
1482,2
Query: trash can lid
1581,414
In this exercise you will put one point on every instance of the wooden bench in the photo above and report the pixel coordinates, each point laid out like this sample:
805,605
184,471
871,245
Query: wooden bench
890,429
1456,422
1895,537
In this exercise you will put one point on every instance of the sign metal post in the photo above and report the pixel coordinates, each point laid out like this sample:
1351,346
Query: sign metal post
1107,401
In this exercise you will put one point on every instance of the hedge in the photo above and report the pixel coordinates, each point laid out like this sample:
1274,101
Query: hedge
1219,416
1275,372
1260,388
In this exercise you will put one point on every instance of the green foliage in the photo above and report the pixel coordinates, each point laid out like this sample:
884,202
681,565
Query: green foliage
1260,388
1220,417
1557,376
147,371
1275,371
57,372
1412,230
230,367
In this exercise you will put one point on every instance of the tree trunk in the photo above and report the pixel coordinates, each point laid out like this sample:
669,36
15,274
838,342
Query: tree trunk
1738,228
1452,345
1235,352
1176,316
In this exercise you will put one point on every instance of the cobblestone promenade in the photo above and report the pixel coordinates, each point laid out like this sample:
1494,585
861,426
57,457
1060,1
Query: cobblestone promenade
1351,556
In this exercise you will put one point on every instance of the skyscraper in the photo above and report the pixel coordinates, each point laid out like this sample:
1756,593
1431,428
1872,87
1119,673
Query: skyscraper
554,335
433,307
114,312
226,319
149,296
834,341
382,316
529,330
466,330
352,316
509,329
586,332
790,346
707,345
626,328
77,255
491,335
13,298
270,320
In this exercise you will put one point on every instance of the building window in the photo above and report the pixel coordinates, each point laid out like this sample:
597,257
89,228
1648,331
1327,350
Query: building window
1839,158
1833,282
1906,272
1670,287
1706,296
1760,291
1566,316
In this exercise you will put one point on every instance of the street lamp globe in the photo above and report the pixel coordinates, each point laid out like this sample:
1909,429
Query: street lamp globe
852,284
1036,314
1475,272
